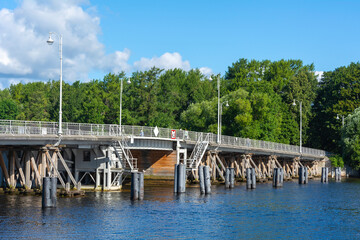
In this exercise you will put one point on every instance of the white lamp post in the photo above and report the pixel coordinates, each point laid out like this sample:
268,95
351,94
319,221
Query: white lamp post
294,104
121,90
226,105
342,117
50,41
218,125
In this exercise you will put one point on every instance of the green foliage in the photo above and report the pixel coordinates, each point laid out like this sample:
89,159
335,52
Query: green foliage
272,87
8,109
200,117
351,140
260,96
337,161
338,93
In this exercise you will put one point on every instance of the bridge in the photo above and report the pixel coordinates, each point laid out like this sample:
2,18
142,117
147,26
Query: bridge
102,155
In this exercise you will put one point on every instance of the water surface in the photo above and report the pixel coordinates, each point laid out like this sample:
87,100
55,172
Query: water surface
312,211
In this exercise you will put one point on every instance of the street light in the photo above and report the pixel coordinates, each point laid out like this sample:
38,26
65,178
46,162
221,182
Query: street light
50,41
226,105
342,117
294,104
218,125
121,90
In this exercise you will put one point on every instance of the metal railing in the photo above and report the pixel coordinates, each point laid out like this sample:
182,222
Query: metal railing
15,127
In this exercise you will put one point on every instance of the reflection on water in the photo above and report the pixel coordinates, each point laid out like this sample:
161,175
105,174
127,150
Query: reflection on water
312,211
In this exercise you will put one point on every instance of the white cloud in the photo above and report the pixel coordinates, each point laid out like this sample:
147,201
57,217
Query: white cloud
117,62
206,71
319,75
24,31
165,61
25,55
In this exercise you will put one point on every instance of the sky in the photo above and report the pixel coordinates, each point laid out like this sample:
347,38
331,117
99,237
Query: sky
113,36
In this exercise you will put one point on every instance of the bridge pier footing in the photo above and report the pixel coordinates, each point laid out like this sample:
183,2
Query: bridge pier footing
250,178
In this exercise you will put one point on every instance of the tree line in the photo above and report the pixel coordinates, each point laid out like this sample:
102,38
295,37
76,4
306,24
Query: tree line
259,98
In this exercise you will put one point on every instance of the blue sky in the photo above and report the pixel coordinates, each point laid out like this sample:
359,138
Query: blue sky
103,36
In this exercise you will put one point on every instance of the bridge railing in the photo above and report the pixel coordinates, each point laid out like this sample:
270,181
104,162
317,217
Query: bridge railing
15,127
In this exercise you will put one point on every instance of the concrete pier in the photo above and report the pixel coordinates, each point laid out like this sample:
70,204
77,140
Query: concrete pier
303,175
338,174
137,186
180,178
201,179
207,180
278,177
49,191
324,175
250,178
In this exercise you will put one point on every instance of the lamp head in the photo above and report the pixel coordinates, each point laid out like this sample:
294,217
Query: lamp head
226,103
294,103
337,117
50,41
128,81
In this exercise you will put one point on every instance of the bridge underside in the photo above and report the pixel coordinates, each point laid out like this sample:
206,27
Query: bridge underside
264,165
95,162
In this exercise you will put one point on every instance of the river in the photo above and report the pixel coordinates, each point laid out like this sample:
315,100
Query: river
311,211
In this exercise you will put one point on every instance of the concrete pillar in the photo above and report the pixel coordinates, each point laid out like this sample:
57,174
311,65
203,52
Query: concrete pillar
253,178
141,185
182,178
46,195
227,178
324,175
232,177
250,178
207,180
327,174
301,175
278,177
53,191
97,178
49,192
338,174
176,177
108,178
134,195
137,186
201,179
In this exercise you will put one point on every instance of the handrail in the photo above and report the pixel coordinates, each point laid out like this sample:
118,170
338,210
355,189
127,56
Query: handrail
17,127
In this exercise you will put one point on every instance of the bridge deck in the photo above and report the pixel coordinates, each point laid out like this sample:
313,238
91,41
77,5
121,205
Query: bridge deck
44,133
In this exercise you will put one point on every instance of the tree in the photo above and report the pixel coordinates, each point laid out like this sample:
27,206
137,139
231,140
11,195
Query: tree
8,109
93,107
110,86
338,93
278,82
351,140
200,117
33,100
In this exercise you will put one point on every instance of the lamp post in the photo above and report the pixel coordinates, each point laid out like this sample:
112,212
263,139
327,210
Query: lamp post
226,105
294,104
342,118
121,90
50,41
218,125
